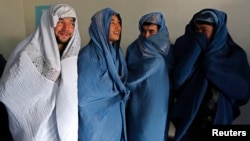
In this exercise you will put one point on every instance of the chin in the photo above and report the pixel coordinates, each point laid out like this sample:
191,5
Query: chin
65,40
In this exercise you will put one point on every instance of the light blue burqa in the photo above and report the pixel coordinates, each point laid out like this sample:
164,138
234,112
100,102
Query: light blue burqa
148,80
102,93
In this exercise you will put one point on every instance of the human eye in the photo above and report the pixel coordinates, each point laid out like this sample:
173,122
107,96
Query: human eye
152,32
204,30
60,22
119,22
73,24
112,22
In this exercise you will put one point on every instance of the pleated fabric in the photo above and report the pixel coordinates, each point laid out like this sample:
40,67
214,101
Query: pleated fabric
39,88
200,63
149,83
102,76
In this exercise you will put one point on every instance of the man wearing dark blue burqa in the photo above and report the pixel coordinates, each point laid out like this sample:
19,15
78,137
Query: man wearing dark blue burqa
102,75
211,76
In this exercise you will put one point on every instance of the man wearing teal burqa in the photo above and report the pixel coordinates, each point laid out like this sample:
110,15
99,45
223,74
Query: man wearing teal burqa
102,75
148,80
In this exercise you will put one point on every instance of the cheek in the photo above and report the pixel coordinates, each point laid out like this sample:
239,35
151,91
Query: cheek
111,28
154,33
144,33
72,30
55,29
208,34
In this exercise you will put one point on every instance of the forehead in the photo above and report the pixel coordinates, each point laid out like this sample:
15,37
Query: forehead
115,17
203,26
150,27
68,19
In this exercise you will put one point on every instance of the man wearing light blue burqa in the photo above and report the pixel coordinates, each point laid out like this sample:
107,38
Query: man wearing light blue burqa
102,75
148,79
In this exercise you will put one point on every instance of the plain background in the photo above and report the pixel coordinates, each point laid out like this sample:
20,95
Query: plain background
18,21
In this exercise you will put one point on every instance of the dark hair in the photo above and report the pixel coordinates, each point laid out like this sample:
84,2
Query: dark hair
148,23
204,22
119,17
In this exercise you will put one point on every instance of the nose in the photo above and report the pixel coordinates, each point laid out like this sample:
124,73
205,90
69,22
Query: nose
198,30
117,26
65,26
147,34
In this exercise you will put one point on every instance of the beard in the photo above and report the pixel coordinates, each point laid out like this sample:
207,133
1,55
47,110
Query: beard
59,41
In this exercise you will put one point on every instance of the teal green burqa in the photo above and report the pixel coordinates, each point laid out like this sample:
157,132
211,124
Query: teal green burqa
149,83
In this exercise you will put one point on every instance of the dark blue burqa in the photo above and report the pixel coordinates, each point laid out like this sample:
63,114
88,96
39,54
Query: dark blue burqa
148,80
101,90
220,62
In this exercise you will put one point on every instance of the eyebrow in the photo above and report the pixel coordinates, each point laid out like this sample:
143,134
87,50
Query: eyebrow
73,19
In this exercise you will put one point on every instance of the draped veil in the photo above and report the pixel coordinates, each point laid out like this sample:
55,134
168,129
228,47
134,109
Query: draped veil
102,75
38,88
200,63
149,82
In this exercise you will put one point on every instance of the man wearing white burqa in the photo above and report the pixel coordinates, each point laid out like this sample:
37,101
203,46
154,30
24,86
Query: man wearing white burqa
39,83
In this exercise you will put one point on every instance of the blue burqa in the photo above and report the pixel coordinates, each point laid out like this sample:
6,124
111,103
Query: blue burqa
102,93
148,80
220,62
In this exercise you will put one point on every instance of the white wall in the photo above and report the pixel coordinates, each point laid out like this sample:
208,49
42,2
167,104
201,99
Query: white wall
177,14
18,17
18,20
12,28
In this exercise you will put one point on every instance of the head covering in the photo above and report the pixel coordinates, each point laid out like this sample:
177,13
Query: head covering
38,87
62,11
147,61
159,42
154,18
101,37
102,75
207,16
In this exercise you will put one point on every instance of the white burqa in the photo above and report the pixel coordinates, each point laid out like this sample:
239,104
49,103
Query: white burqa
39,88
